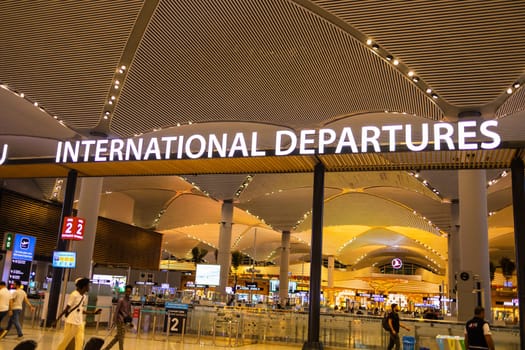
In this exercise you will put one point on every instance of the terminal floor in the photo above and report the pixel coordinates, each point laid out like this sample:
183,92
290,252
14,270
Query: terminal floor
49,339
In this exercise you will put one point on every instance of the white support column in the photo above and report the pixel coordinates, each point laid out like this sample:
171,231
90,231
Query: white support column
331,267
329,294
453,253
88,206
225,238
474,244
283,271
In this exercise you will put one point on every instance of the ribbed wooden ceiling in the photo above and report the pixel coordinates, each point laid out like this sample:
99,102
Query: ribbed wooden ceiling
297,64
467,51
271,61
63,54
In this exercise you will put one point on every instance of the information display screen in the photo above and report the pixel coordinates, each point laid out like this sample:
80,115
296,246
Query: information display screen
64,259
208,275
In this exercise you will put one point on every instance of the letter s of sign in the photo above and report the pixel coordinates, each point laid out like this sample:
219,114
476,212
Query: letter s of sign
4,154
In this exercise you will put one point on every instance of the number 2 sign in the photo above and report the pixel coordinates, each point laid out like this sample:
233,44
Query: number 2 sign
73,228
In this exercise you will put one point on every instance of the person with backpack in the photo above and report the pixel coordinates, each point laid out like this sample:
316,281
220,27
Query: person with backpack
477,332
392,326
74,312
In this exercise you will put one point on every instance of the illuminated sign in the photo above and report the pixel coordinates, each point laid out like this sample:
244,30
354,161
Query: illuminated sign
207,275
387,138
8,241
24,247
64,259
73,228
4,154
397,263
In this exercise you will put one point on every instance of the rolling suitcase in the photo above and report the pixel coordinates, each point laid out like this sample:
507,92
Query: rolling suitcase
26,345
94,343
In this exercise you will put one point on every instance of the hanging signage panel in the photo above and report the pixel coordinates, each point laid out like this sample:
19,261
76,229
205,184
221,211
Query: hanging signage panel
73,228
24,247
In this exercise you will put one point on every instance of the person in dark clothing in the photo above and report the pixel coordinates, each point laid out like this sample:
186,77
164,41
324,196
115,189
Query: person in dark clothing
477,332
122,317
394,325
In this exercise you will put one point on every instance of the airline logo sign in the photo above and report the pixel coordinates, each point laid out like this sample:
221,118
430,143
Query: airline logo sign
73,228
397,263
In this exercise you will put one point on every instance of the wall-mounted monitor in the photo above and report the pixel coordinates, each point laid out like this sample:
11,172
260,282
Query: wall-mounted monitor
64,259
208,275
114,281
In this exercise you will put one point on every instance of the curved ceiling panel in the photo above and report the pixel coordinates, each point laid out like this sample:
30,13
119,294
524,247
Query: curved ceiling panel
293,206
181,212
353,208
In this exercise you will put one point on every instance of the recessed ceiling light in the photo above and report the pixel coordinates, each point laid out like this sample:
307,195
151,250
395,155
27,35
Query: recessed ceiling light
410,73
516,85
396,62
369,41
429,90
509,91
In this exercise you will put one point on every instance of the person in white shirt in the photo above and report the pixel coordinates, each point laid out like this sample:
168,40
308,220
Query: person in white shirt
74,311
18,298
5,297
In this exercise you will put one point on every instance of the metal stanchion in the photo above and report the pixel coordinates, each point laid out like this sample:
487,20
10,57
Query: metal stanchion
154,324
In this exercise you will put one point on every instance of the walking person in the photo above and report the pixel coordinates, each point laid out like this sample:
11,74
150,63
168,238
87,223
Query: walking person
394,325
74,311
121,318
477,332
5,298
16,304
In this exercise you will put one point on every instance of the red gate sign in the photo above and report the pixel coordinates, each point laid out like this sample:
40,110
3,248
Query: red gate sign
73,228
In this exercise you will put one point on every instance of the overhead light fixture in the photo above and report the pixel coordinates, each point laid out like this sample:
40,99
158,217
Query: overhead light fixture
435,96
509,91
396,62
516,85
369,41
415,79
389,58
375,46
429,90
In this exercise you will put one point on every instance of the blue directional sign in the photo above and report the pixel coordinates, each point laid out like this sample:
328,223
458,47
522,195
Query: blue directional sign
24,247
